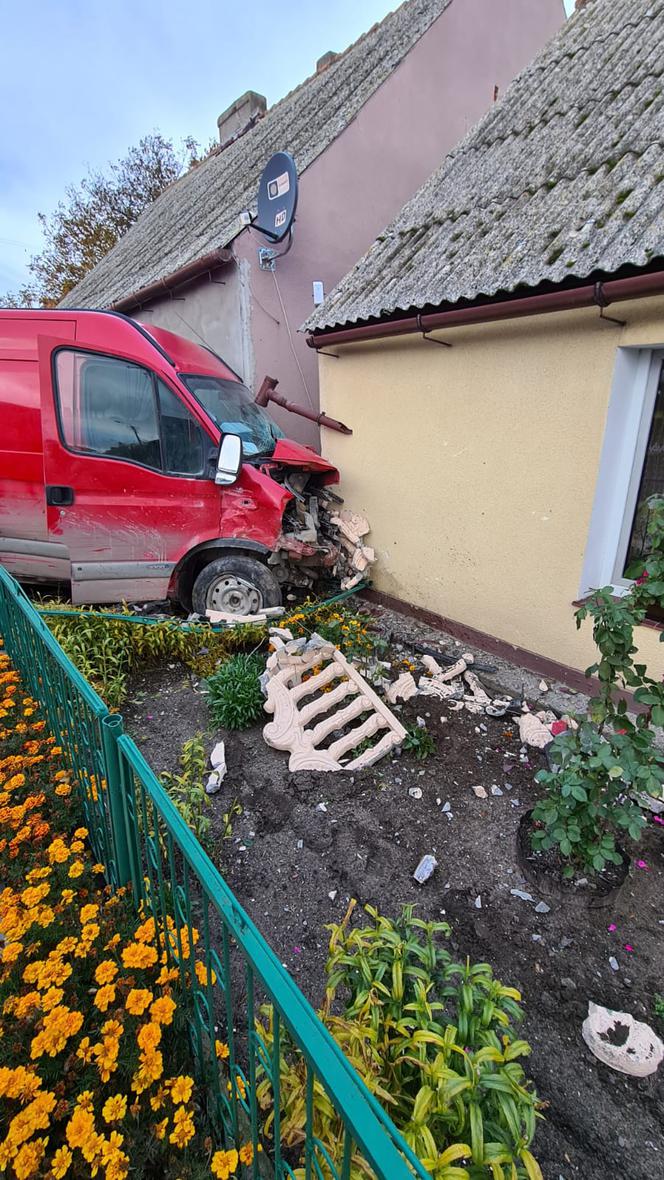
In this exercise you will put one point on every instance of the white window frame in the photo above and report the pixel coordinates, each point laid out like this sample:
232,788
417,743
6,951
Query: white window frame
628,423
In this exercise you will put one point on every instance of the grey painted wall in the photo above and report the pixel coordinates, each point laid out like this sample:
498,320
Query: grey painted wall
354,189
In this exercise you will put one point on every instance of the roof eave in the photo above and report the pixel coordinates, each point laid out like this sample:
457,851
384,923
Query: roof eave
599,294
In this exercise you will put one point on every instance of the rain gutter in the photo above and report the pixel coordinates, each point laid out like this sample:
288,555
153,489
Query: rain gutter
184,274
600,294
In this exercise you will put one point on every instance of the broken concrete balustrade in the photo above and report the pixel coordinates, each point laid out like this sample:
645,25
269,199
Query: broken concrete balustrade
316,669
402,689
219,769
460,687
621,1042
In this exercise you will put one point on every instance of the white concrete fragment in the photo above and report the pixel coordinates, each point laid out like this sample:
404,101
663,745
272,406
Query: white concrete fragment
533,731
213,784
425,868
480,792
522,894
638,1051
218,757
543,686
231,620
415,792
402,689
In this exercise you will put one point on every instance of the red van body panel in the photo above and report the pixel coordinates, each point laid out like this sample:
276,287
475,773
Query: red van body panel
115,527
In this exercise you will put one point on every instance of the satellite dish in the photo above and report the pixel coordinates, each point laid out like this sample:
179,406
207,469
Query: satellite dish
277,197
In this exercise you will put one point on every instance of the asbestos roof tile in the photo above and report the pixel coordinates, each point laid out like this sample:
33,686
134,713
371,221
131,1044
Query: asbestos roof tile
200,212
561,178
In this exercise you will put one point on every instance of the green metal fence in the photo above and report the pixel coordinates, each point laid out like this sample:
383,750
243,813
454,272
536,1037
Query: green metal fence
140,836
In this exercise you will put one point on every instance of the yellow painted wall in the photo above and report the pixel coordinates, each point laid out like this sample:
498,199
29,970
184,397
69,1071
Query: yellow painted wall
477,465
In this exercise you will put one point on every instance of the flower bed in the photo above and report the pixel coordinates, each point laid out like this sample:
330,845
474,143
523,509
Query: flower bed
94,1062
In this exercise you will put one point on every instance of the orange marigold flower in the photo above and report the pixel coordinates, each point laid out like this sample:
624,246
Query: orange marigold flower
160,1129
181,1089
224,1164
149,1036
105,997
247,1154
88,912
76,868
106,972
162,1010
138,955
138,1000
183,1128
222,1050
115,1108
60,1162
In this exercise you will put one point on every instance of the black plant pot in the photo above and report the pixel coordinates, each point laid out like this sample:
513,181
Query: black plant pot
545,875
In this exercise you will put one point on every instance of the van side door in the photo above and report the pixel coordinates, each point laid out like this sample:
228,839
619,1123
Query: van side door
126,468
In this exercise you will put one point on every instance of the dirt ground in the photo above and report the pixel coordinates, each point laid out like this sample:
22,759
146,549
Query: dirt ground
307,843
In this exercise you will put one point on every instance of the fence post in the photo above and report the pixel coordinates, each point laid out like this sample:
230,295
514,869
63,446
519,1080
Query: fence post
111,730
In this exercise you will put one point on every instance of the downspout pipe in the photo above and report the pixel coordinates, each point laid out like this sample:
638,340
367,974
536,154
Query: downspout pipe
184,274
267,393
599,294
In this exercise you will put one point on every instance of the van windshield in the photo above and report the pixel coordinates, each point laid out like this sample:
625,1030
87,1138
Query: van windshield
231,407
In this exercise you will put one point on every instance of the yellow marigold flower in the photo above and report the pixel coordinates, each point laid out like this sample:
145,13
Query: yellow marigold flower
11,952
38,874
160,1129
224,1164
34,894
88,912
66,946
85,1050
52,998
81,833
77,846
222,1050
181,1089
90,932
67,896
115,1108
183,1128
76,868
162,1010
63,790
138,999
46,917
98,868
149,1036
113,1029
85,1100
80,1127
60,1162
113,942
106,972
146,931
167,975
105,997
27,1161
137,955
202,974
247,1154
157,1100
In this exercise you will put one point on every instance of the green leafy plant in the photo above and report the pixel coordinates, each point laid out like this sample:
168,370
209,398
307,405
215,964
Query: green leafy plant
234,692
107,650
596,771
187,789
658,1007
589,804
420,742
433,1040
227,818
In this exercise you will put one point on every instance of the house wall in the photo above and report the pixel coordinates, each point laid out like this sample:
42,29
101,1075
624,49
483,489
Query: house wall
356,187
477,467
213,311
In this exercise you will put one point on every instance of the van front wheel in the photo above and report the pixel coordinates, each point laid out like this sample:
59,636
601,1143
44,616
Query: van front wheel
237,585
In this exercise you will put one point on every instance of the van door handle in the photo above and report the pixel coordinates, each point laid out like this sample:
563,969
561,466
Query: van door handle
59,496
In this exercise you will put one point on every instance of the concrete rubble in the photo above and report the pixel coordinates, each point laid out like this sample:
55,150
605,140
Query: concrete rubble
621,1042
219,769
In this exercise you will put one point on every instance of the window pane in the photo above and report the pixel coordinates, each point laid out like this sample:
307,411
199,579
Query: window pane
107,407
652,479
185,443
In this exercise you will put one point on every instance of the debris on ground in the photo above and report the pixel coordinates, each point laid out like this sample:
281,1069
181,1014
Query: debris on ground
315,668
621,1042
425,868
402,689
460,686
219,769
354,556
227,619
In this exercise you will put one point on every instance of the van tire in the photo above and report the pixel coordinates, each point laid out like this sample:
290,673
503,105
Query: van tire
240,585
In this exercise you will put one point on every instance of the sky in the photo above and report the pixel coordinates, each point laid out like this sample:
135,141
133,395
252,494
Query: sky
80,82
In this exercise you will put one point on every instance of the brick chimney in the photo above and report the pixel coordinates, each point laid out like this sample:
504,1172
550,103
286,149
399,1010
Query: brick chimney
240,115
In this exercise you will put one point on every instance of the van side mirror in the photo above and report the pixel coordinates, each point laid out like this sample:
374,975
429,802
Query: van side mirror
229,460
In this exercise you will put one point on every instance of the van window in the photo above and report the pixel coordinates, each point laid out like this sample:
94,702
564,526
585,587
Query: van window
114,408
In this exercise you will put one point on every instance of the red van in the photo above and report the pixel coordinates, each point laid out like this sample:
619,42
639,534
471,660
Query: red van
136,466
